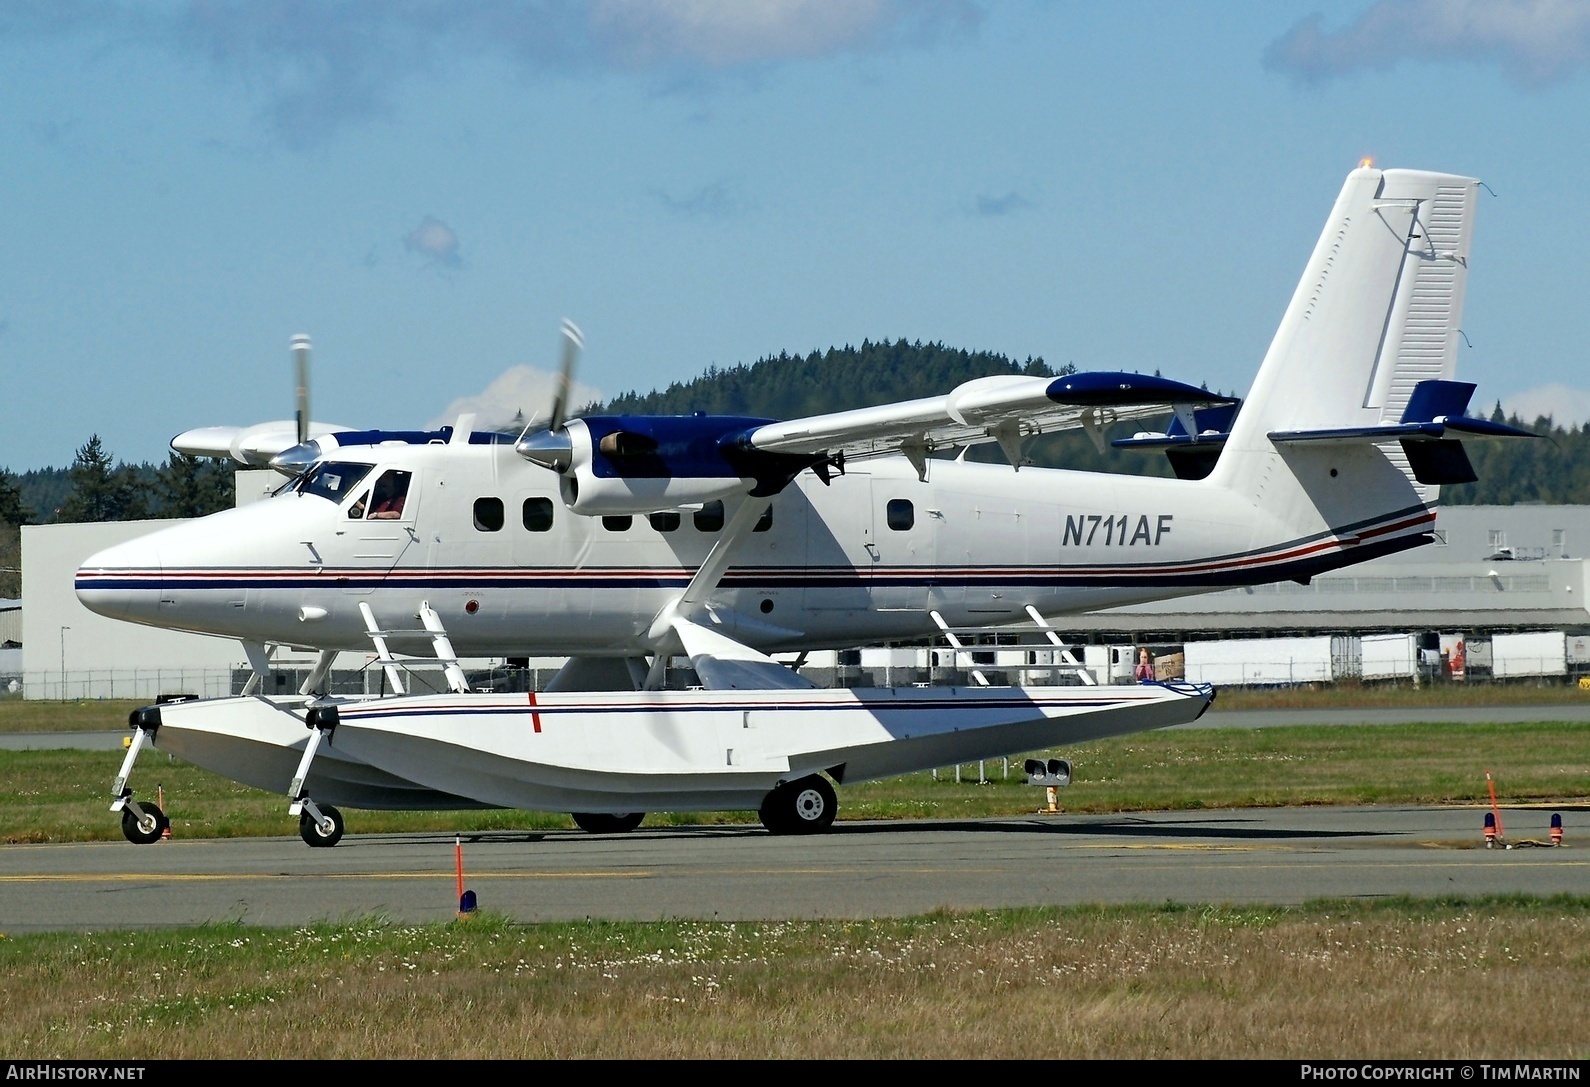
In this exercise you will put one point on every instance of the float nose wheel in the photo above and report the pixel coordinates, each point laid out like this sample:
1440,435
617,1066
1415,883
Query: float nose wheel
320,825
806,806
144,826
326,830
141,823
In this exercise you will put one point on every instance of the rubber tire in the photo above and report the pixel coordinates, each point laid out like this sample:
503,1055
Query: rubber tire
311,833
138,835
806,806
607,823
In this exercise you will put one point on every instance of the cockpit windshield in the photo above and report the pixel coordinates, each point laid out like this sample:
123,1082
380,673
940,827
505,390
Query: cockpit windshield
333,479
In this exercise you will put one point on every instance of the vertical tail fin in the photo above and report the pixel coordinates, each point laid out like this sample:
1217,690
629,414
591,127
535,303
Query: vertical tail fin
1376,312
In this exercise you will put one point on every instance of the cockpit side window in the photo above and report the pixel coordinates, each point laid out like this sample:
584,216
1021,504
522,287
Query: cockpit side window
334,480
391,491
360,504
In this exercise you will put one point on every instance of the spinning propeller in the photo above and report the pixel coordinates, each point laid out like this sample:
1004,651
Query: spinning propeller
549,445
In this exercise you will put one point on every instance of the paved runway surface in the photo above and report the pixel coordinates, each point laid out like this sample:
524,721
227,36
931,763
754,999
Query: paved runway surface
858,870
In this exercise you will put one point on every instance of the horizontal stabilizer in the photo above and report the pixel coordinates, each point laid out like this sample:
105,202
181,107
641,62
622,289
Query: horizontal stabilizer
727,665
1436,430
1192,455
1213,426
1434,414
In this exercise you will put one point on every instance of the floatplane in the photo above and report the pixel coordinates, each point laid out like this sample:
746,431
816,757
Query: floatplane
625,541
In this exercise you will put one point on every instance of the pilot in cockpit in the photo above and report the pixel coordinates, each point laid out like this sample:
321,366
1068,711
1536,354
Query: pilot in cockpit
390,492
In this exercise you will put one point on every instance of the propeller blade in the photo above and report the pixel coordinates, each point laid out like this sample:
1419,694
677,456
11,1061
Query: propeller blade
300,349
573,343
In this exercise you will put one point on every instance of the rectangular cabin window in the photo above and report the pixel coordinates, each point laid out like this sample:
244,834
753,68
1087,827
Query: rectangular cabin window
764,522
901,514
489,514
538,514
709,518
618,523
666,521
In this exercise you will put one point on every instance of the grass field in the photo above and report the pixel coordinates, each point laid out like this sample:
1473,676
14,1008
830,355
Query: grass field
63,795
1449,979
1496,979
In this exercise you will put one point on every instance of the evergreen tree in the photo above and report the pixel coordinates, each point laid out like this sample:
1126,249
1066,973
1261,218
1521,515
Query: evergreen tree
13,511
191,487
101,491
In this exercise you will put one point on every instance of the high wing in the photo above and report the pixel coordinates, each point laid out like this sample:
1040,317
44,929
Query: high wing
1006,409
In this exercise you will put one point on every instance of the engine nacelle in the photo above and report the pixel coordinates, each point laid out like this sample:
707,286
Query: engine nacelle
611,465
638,464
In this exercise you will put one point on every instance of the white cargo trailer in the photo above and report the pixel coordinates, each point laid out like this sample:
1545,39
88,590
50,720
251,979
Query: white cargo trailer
1268,661
1388,656
1109,663
1542,653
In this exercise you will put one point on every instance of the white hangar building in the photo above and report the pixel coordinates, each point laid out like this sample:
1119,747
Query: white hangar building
1491,569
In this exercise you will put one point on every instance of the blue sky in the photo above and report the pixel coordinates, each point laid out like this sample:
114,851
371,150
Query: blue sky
427,188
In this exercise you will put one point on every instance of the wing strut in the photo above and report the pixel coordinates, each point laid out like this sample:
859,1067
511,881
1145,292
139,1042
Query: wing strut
382,653
259,663
955,643
444,648
662,635
1065,651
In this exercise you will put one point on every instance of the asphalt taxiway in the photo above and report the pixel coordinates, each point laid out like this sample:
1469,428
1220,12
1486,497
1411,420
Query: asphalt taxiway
857,870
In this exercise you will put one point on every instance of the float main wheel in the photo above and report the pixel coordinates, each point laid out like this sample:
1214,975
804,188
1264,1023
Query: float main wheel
806,806
606,822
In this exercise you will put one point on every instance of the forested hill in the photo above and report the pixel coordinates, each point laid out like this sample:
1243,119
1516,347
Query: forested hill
1555,469
786,386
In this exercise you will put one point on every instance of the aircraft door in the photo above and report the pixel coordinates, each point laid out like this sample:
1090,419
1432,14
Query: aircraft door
903,544
379,529
842,549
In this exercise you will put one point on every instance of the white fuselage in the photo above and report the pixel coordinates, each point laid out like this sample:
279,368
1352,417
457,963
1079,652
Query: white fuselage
870,557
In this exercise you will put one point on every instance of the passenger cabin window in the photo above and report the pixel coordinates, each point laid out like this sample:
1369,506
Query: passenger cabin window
666,521
617,523
901,514
333,480
391,492
489,514
538,514
764,522
709,518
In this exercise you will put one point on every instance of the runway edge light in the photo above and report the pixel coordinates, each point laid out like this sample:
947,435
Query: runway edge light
1556,828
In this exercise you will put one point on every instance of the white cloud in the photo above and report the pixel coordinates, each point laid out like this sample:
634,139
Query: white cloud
518,390
1565,406
435,241
1534,41
727,33
316,68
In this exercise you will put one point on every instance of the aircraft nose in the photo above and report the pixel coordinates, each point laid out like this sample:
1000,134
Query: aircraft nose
122,582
